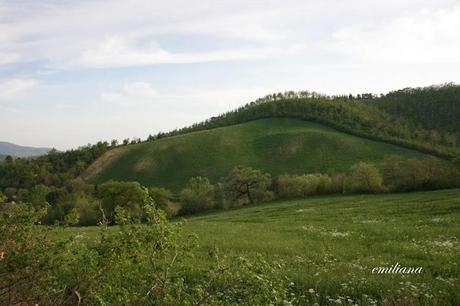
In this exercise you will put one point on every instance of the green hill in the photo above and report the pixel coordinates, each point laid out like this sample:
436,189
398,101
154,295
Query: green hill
276,145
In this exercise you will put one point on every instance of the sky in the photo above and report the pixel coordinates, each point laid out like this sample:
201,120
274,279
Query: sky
76,72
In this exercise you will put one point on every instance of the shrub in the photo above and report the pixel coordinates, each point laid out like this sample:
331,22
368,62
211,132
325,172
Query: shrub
364,178
133,265
37,196
10,193
295,186
290,186
418,174
197,196
161,197
87,208
337,183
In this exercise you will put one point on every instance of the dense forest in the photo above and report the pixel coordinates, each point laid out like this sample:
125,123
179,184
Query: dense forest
433,108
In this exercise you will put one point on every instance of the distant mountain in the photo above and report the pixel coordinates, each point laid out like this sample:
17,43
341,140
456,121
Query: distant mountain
7,148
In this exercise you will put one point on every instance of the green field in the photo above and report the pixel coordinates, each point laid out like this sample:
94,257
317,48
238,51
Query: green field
330,244
278,146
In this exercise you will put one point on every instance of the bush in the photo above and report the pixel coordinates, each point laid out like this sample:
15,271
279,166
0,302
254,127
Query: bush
197,196
296,186
87,208
135,264
419,174
161,197
10,193
364,178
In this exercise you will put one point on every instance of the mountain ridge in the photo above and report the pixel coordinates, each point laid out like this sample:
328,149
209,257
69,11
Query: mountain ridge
8,148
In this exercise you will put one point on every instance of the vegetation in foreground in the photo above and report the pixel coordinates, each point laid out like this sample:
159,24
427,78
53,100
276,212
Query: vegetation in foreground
329,245
146,264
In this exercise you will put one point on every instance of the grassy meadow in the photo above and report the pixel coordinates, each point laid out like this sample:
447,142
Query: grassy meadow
330,244
277,146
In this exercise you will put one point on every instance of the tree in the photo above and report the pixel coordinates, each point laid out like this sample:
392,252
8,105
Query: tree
391,172
365,178
246,185
87,208
2,197
198,195
114,143
161,197
37,196
128,195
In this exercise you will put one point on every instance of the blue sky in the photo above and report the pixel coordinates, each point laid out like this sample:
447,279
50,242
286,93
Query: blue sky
75,72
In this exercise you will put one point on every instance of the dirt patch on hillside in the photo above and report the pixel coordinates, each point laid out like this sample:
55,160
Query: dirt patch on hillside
144,164
106,159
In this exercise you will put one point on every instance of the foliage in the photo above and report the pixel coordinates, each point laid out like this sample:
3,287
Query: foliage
53,169
296,186
364,178
418,174
197,196
246,186
128,195
435,108
161,197
135,265
37,196
87,208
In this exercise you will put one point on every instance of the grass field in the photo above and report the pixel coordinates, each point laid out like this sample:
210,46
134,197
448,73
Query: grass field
278,146
330,244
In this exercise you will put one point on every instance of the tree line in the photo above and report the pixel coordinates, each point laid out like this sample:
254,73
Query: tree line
88,204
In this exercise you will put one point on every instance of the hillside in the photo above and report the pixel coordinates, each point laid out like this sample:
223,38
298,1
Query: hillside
7,148
424,119
276,145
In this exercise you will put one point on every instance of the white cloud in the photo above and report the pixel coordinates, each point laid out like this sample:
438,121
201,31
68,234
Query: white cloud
116,52
131,95
325,45
128,32
15,88
9,58
424,37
